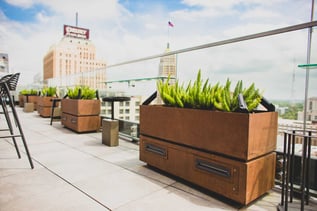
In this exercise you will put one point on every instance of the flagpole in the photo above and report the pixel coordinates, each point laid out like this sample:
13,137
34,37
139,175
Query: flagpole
169,24
168,33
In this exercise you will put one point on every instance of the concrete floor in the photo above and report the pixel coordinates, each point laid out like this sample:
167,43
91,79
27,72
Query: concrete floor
76,172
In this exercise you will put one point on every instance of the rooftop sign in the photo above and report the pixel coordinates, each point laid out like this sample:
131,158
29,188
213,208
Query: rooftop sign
72,31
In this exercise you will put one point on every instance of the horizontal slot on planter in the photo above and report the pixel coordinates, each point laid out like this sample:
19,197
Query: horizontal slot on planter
155,149
212,168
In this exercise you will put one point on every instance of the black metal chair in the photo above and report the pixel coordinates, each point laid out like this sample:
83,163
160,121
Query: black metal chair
8,83
6,114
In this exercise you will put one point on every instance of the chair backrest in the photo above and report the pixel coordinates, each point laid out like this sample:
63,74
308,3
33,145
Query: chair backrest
12,82
8,83
5,78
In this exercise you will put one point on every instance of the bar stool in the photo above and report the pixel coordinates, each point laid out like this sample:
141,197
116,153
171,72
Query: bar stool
8,83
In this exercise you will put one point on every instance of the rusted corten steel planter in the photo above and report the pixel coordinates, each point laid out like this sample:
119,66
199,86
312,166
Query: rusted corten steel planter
21,100
229,153
44,107
81,115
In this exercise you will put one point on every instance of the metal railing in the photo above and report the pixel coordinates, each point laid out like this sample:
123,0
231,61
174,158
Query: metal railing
96,75
79,78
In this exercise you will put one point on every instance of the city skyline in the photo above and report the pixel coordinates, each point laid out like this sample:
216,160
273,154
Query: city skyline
126,30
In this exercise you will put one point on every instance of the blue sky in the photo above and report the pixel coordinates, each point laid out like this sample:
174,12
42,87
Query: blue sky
130,29
137,6
20,14
28,14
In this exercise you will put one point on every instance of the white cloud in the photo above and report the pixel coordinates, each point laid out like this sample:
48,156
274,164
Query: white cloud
260,14
121,35
21,3
92,10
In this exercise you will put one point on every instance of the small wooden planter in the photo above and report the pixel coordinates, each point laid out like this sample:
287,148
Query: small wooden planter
44,107
81,115
21,100
31,99
229,153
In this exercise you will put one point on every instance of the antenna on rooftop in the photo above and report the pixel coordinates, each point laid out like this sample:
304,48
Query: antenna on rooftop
76,19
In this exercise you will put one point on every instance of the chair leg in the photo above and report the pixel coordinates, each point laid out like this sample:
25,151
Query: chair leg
7,116
52,112
21,133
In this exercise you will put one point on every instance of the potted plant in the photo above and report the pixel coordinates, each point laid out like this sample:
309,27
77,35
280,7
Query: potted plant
22,93
81,109
45,101
212,136
28,99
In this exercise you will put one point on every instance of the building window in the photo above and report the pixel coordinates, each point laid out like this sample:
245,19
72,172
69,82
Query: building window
127,111
127,103
310,105
121,111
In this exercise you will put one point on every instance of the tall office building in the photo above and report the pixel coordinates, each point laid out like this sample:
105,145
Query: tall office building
75,56
168,65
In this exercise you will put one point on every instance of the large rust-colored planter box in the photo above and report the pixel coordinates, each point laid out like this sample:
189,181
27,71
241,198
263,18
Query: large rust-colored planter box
239,181
239,135
81,107
44,106
81,115
81,123
229,153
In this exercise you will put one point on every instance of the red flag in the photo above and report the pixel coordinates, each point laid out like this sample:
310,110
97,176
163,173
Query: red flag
170,24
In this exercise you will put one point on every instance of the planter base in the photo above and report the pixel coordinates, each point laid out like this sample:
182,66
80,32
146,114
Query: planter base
239,181
44,111
44,107
81,123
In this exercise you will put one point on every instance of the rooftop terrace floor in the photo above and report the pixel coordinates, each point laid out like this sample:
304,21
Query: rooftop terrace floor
77,172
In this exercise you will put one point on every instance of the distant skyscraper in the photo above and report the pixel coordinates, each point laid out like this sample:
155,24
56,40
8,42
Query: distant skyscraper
4,63
168,65
74,54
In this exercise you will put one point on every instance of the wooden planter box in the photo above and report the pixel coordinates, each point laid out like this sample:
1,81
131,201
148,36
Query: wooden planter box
81,107
81,123
81,115
238,135
44,107
31,99
239,181
225,152
21,100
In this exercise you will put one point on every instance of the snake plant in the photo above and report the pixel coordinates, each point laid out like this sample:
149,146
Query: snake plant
202,95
